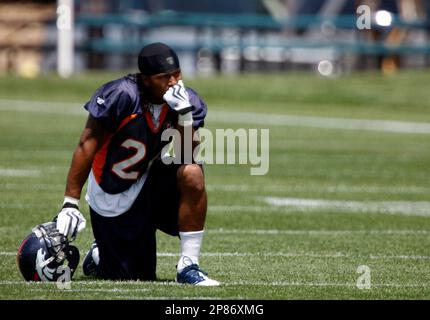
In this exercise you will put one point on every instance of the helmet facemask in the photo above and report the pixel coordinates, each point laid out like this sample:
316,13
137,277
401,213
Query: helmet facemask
44,252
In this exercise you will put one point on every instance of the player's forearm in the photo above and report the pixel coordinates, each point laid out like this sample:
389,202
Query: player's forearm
90,141
79,169
187,141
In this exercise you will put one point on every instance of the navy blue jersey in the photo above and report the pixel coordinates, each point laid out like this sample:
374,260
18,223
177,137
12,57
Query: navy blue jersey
134,139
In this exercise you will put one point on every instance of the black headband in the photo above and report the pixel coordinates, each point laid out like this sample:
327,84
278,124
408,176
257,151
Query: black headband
157,58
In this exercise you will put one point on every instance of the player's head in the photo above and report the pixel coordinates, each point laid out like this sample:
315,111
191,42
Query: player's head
160,69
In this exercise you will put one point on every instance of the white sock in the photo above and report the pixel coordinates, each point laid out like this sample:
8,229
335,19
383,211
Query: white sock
95,255
190,248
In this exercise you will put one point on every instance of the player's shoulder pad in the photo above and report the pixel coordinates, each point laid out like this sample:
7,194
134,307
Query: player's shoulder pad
119,91
113,101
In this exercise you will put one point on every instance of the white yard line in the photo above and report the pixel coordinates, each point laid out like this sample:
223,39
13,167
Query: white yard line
183,298
30,172
252,118
42,107
408,208
113,290
31,186
322,188
300,254
45,286
11,172
286,205
324,284
286,255
22,206
275,232
5,253
422,211
318,232
243,208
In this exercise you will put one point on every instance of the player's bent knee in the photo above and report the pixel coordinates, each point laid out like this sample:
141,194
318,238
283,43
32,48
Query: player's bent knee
191,179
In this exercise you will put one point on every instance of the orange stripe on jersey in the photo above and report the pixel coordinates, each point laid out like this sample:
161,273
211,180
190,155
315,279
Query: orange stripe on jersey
100,157
126,120
162,117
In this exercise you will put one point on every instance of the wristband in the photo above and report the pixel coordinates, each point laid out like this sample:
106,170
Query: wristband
186,119
70,201
70,205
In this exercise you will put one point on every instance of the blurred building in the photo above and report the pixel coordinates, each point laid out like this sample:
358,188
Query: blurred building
23,36
220,36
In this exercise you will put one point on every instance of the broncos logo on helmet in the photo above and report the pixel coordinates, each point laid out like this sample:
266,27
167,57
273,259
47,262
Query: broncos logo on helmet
43,252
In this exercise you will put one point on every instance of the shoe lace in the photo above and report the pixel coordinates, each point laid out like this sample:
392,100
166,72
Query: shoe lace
194,272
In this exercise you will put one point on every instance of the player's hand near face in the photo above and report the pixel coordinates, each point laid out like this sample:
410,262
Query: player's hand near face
177,98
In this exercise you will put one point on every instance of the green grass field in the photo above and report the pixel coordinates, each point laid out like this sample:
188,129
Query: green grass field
333,200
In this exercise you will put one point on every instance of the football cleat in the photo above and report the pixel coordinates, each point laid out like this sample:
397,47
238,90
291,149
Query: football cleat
192,274
91,261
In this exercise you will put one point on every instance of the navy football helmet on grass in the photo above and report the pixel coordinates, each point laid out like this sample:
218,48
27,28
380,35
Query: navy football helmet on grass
43,252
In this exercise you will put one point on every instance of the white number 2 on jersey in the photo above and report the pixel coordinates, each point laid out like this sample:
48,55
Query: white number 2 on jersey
119,167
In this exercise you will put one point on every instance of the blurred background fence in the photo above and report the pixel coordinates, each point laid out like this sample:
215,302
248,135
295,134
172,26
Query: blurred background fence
222,36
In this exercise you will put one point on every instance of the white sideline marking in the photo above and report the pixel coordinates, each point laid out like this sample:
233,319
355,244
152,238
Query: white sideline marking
23,206
284,254
239,208
184,298
113,290
259,189
298,254
3,253
317,232
42,106
288,205
323,188
322,209
9,172
324,284
233,283
319,122
409,208
254,118
31,186
300,233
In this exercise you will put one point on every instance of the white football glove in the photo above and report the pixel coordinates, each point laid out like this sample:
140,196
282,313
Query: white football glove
177,98
70,221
